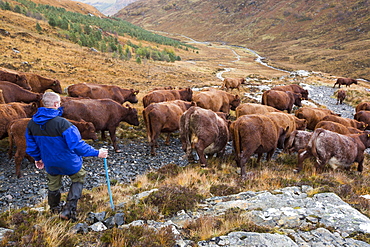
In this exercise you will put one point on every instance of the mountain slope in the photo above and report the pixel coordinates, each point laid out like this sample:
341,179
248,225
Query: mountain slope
330,36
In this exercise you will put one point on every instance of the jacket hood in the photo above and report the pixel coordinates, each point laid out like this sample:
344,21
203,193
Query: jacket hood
43,115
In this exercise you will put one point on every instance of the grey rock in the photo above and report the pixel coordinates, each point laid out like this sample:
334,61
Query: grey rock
98,227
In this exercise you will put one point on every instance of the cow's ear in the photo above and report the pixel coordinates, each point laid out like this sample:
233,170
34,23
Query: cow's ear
136,92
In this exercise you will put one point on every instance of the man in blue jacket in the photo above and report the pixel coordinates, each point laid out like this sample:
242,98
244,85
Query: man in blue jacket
56,145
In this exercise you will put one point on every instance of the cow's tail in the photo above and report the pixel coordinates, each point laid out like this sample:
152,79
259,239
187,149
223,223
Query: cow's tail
148,126
312,142
289,142
10,139
236,141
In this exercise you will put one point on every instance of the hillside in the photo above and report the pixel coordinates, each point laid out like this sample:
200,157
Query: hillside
330,36
108,7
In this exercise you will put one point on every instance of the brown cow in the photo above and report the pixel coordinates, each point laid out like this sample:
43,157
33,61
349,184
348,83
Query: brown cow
253,108
346,122
335,149
297,140
15,93
14,110
313,115
345,81
341,95
14,77
163,117
217,100
232,83
285,120
255,134
162,88
363,116
105,114
293,88
156,96
97,91
17,129
337,127
205,131
39,84
281,100
2,100
363,106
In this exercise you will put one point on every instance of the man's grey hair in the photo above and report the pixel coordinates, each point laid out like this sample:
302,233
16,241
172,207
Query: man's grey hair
49,98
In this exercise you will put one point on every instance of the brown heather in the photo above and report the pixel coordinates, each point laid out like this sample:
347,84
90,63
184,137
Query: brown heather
48,54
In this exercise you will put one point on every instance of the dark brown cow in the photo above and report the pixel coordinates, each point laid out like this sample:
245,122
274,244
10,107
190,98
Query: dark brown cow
163,117
313,115
337,127
12,111
15,93
232,83
39,84
345,81
156,96
293,88
297,140
255,134
105,114
363,106
253,108
335,149
341,95
281,100
16,133
363,116
217,100
14,77
97,91
346,122
205,131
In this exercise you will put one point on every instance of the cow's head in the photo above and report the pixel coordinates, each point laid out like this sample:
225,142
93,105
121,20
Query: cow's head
56,87
235,102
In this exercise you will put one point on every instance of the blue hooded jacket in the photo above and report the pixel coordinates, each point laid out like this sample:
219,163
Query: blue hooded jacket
57,142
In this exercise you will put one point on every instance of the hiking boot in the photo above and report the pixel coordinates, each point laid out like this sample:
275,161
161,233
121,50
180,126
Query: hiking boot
74,194
54,201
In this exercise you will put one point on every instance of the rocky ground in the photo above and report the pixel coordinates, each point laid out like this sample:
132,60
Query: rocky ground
124,167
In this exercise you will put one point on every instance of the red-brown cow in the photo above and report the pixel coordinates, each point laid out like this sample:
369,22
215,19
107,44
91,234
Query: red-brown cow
281,100
15,93
105,114
363,116
297,140
97,91
14,77
293,88
205,131
156,96
337,127
285,120
16,133
163,117
39,84
313,115
345,81
12,111
255,134
232,83
335,149
253,108
346,122
341,95
217,100
363,106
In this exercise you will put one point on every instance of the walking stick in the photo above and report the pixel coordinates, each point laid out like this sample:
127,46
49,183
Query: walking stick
108,183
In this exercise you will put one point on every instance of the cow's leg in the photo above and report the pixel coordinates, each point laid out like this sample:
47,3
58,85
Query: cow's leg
168,139
199,147
112,134
103,135
360,166
302,155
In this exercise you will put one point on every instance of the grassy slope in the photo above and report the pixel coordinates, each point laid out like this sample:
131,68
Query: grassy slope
330,36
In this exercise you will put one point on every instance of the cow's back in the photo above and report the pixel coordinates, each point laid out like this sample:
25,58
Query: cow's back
252,108
312,115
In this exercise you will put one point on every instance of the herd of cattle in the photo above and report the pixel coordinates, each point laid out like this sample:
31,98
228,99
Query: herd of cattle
202,118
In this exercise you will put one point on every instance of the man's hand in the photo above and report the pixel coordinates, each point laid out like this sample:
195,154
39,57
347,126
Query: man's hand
39,164
103,153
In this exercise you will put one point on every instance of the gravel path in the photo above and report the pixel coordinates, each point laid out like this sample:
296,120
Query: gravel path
124,167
